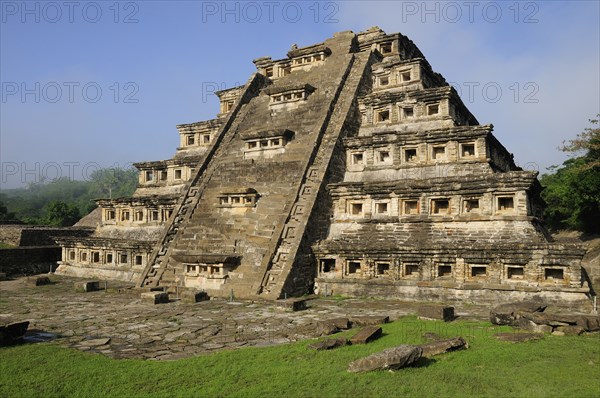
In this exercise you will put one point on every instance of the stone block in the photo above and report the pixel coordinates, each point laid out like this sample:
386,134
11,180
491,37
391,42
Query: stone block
87,286
508,313
191,296
292,304
590,323
441,346
568,330
12,332
2,276
39,281
366,335
531,326
369,320
392,358
325,328
154,297
328,344
436,312
341,323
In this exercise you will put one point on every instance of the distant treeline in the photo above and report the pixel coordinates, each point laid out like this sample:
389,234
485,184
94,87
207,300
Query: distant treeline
62,202
572,191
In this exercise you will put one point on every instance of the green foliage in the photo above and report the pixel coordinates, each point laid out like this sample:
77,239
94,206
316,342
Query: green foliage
552,367
113,182
32,204
60,214
572,192
5,215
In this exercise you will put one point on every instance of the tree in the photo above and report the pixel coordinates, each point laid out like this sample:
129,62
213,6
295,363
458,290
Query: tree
114,182
60,214
572,192
30,204
5,215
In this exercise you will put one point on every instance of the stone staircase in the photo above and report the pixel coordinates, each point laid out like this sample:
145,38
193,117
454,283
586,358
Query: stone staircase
314,180
154,274
269,238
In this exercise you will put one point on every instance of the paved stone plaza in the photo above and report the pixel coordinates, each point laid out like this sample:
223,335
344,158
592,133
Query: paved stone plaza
116,323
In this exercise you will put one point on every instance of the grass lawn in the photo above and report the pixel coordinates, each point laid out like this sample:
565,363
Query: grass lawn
566,366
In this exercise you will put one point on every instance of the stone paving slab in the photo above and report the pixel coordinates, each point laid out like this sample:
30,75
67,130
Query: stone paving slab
130,328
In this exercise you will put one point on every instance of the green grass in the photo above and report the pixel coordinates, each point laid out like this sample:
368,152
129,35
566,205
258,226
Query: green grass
5,246
553,366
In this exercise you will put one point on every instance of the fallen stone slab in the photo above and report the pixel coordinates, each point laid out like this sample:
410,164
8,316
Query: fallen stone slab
192,296
94,342
13,332
518,337
326,328
328,344
591,323
526,324
542,318
541,321
508,313
436,312
568,330
39,281
369,320
366,335
154,297
87,286
442,346
390,359
340,323
292,304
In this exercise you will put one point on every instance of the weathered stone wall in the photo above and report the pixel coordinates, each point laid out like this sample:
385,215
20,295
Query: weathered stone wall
27,235
103,271
11,234
106,258
353,152
46,236
29,260
571,299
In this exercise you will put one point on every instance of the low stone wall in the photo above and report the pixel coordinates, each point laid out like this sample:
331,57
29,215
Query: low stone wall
572,298
29,260
11,234
125,274
35,235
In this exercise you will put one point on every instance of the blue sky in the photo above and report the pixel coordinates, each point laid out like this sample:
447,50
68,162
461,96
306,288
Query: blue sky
88,84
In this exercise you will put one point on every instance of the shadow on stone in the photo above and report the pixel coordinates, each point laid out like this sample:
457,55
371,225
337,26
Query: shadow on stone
38,336
423,362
